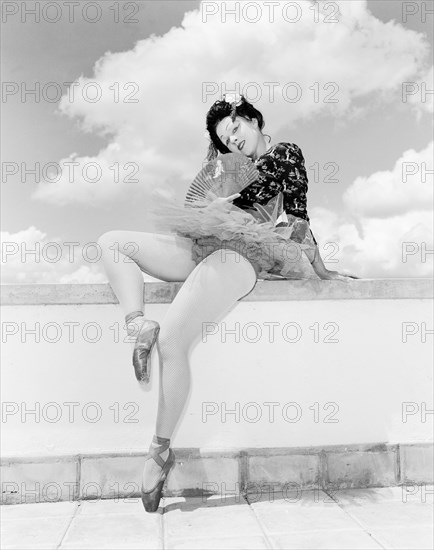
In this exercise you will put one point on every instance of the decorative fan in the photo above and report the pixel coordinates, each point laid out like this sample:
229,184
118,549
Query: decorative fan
224,176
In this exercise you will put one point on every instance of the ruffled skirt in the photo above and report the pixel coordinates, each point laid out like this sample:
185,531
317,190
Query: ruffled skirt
276,249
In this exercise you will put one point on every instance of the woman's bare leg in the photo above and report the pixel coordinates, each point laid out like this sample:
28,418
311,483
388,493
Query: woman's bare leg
209,291
126,254
207,295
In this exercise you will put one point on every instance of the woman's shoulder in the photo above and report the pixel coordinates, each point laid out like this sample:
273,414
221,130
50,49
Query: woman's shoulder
286,146
283,149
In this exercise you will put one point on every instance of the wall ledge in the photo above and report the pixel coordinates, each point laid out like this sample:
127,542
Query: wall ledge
231,452
264,291
199,472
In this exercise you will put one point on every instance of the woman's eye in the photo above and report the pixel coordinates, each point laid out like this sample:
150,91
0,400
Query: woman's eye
233,131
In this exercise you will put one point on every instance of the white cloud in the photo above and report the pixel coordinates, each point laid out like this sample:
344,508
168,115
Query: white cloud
387,228
29,257
420,93
352,56
407,187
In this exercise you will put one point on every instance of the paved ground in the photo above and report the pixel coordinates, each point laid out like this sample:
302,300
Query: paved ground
366,518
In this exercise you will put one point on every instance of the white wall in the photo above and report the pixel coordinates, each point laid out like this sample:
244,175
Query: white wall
363,378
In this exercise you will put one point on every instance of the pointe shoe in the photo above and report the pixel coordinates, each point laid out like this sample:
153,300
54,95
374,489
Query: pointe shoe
151,499
146,339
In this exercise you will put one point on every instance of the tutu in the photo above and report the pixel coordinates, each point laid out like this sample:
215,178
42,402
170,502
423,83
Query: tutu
277,244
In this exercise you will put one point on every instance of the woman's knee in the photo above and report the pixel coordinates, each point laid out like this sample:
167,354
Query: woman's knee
106,240
171,343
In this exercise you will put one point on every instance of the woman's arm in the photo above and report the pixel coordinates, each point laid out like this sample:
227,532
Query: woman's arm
317,264
300,200
314,256
321,270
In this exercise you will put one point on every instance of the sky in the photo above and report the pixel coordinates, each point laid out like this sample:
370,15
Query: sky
339,69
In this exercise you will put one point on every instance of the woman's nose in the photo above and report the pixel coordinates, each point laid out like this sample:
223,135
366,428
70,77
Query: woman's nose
233,139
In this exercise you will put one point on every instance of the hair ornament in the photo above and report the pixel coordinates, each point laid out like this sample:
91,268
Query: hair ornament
234,100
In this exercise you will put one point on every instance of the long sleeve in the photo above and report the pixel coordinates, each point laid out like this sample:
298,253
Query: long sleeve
281,169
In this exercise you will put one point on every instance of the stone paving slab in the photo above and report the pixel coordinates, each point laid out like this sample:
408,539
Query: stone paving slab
119,523
39,526
406,538
301,512
398,517
212,518
333,539
41,510
118,531
392,518
33,532
240,542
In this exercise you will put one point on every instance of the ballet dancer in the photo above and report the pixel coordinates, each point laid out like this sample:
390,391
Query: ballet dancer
212,287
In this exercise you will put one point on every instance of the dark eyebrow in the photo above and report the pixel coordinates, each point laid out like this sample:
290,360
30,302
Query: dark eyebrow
226,128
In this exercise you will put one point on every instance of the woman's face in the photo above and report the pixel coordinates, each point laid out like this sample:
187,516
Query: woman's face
241,136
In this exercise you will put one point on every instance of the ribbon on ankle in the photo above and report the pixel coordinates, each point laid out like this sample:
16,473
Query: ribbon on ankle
160,440
133,315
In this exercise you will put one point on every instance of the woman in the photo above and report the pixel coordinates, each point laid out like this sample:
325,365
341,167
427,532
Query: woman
211,287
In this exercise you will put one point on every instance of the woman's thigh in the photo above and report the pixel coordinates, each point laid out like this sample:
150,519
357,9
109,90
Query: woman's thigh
164,256
206,296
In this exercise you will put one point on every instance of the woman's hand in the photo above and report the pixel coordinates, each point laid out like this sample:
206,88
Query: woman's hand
321,270
336,276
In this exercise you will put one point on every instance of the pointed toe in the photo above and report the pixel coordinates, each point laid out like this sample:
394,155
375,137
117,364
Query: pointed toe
151,499
146,339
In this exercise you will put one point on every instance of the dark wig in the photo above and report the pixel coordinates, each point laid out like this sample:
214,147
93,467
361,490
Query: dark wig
221,109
